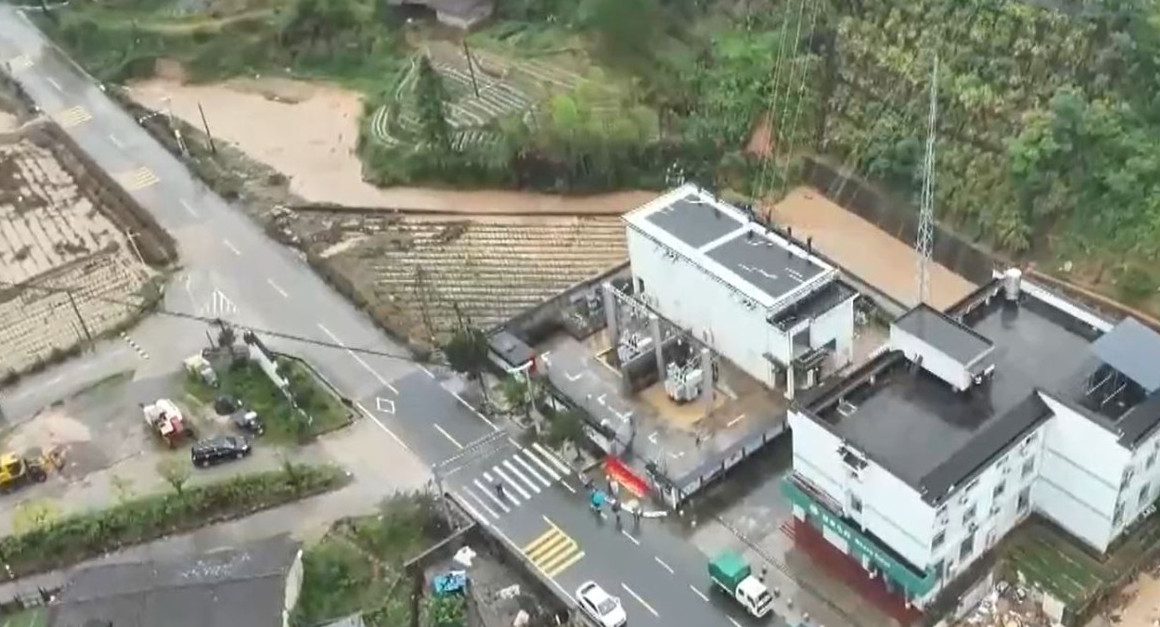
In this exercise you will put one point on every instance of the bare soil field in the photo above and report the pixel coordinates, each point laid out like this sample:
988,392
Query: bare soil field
53,235
422,274
309,131
865,250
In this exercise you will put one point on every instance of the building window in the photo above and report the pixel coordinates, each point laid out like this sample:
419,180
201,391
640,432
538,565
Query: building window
967,547
938,540
1028,466
969,515
1024,500
1148,463
1144,490
937,569
998,491
1118,515
856,504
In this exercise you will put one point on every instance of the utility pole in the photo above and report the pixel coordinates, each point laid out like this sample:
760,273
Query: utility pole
470,67
77,311
925,243
205,125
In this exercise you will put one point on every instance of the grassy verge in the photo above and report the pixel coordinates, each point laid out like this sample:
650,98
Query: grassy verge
76,538
284,424
33,617
357,567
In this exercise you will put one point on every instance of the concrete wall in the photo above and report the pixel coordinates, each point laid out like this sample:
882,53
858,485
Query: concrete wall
933,360
293,588
710,311
1080,480
836,325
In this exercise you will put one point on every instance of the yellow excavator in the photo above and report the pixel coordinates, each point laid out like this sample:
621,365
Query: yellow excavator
17,471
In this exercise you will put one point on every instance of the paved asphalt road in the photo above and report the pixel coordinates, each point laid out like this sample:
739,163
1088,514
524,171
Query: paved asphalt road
234,271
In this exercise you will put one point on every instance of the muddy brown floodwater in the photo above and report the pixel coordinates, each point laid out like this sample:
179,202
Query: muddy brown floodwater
309,131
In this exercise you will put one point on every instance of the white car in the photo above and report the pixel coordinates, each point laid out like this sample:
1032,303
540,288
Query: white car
602,607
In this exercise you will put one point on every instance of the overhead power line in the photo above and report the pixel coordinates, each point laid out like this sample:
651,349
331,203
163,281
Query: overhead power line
161,310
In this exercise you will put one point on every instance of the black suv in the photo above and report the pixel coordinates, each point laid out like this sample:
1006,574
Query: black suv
215,450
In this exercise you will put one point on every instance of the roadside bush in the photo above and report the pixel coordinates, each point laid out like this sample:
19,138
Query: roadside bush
76,538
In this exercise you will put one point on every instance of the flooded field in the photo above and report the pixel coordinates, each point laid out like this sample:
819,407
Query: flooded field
865,250
309,132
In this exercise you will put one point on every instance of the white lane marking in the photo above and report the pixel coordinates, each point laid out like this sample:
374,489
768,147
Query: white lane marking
735,420
277,289
570,488
467,490
382,426
56,85
189,208
424,369
735,623
447,435
699,593
663,564
550,457
499,471
492,496
629,536
488,477
476,411
642,601
510,466
116,142
471,510
532,471
234,249
548,469
357,358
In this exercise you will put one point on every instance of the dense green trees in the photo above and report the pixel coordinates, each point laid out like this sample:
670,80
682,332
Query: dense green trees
431,104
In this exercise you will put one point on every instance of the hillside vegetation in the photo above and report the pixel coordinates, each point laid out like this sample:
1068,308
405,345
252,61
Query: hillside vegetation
1047,128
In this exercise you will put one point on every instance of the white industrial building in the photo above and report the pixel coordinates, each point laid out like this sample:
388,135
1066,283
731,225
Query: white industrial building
1017,401
763,301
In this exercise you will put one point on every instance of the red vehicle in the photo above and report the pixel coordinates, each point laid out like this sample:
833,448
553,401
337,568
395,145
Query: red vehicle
166,419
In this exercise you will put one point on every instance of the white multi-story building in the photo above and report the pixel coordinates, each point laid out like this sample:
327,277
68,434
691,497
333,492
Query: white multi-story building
765,302
1016,401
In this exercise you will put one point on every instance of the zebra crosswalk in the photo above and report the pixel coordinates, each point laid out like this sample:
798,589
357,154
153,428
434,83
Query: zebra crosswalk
507,480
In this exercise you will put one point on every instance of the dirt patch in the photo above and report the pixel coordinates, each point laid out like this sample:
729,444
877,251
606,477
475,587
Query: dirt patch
55,233
1143,608
420,275
170,70
8,122
50,429
865,250
309,133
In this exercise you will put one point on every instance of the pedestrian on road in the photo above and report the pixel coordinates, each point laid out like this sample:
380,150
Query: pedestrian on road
499,489
636,514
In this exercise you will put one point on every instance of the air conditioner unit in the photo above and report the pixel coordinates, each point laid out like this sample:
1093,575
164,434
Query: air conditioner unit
994,509
1006,470
963,499
972,526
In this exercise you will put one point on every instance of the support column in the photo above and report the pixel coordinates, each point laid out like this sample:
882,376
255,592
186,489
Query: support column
610,316
654,325
707,380
789,382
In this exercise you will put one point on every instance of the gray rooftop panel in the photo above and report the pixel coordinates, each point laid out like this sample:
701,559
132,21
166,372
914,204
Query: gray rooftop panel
955,340
766,265
694,223
1134,350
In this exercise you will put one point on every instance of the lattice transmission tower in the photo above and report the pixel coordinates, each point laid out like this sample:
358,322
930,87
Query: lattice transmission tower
925,243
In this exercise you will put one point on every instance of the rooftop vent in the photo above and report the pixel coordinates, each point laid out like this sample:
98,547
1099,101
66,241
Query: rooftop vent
1012,284
943,347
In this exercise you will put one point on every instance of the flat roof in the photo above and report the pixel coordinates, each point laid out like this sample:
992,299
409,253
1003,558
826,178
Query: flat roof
694,221
728,244
769,267
953,339
1134,350
921,430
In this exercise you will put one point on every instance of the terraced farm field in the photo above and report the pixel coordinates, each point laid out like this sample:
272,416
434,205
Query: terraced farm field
52,235
421,274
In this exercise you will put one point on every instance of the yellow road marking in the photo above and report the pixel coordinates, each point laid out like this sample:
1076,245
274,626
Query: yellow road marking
73,116
139,178
553,551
